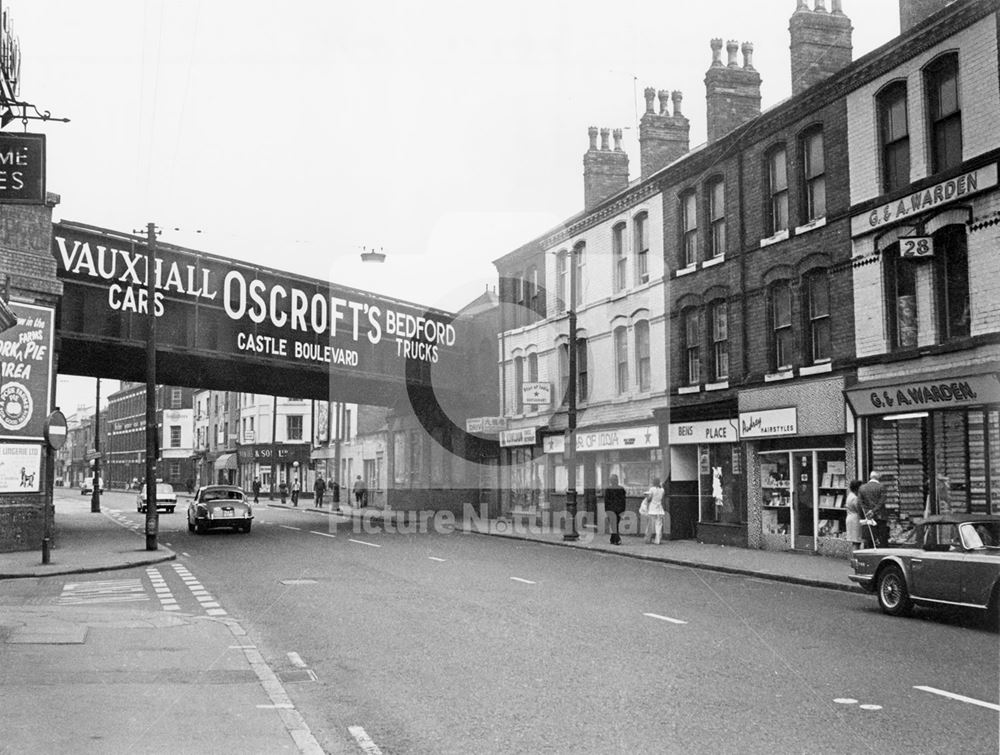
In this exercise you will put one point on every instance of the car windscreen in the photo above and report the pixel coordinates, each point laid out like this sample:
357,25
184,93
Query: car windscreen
164,488
222,495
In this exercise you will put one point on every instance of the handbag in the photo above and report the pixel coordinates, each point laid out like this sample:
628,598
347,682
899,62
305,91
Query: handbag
644,506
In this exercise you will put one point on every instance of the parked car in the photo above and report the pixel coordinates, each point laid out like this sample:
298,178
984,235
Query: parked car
87,486
166,498
219,506
954,560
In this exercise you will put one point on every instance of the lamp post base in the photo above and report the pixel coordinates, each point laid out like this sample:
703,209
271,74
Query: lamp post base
571,533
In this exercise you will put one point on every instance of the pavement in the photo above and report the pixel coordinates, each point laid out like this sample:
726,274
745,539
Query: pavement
96,676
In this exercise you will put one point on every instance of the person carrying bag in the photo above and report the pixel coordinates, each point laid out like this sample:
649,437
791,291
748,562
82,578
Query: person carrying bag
652,509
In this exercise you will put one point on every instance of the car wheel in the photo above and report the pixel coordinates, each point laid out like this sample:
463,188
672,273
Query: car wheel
138,508
190,526
170,509
199,528
245,528
992,617
893,597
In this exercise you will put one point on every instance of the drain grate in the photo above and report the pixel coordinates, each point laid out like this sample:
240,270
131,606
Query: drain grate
297,675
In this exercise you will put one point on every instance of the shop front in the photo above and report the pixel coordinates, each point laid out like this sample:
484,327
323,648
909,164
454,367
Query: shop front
706,482
935,439
290,462
522,472
633,453
800,457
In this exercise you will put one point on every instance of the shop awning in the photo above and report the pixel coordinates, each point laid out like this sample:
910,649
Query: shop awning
922,392
226,461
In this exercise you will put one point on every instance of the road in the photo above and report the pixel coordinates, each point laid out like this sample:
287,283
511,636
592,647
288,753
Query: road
455,643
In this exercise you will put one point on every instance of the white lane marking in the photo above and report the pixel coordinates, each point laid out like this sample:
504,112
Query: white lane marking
324,534
845,700
279,706
664,618
960,698
186,555
440,560
216,611
525,581
870,706
242,647
296,659
362,542
364,741
290,527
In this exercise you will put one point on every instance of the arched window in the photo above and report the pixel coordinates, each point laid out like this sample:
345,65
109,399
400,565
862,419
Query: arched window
561,273
642,363
621,359
689,228
582,383
951,280
718,312
782,333
894,136
518,383
618,257
813,174
818,310
532,376
944,112
692,345
580,258
717,217
777,190
640,238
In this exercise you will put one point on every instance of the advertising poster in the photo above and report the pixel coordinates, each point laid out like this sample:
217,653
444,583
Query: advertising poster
25,372
20,468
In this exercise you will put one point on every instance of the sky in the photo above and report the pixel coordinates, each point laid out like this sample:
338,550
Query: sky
445,132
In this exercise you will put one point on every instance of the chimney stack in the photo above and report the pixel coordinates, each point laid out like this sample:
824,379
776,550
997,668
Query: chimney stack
662,137
912,12
605,170
732,92
820,43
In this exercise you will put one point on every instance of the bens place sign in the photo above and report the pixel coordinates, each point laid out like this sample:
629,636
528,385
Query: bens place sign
22,168
927,199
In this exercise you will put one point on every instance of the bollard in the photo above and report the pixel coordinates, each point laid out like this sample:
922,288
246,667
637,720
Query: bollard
45,550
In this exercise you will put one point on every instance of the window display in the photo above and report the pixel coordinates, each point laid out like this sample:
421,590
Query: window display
803,494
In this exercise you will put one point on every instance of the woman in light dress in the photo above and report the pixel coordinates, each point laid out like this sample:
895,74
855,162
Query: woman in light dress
854,515
654,511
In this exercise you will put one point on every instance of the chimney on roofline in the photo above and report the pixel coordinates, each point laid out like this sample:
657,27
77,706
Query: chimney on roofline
663,137
820,43
732,92
605,170
912,12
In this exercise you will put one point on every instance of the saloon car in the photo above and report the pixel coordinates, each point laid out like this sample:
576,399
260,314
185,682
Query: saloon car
166,498
87,486
953,561
215,506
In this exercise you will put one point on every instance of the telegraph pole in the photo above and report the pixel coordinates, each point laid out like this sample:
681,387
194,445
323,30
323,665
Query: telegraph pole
152,518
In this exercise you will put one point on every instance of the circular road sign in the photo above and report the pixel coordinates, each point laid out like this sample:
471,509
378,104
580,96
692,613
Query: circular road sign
55,430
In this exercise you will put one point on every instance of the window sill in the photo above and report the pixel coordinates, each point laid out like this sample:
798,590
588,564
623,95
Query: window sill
714,261
720,386
812,225
779,236
817,369
781,375
689,389
686,270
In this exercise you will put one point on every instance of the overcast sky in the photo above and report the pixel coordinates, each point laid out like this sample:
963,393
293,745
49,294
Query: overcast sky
291,134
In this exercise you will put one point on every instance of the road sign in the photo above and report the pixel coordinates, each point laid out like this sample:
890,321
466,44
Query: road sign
54,430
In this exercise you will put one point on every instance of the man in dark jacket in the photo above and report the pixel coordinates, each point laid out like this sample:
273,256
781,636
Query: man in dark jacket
614,505
872,498
320,488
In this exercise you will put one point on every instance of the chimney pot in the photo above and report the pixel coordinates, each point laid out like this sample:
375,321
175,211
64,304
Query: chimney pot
676,96
732,47
820,6
605,133
649,93
617,136
803,5
837,6
664,97
592,133
748,55
716,52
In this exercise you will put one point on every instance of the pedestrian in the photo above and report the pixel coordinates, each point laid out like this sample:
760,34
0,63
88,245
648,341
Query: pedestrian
319,487
296,489
256,489
852,524
360,492
653,505
614,505
872,498
283,490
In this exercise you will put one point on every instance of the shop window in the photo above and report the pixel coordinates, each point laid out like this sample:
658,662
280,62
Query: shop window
719,484
894,136
782,335
621,359
619,260
814,174
692,345
944,112
640,234
719,313
777,191
818,296
689,228
561,271
717,218
642,363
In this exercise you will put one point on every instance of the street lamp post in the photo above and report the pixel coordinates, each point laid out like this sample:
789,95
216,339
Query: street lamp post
95,496
571,532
